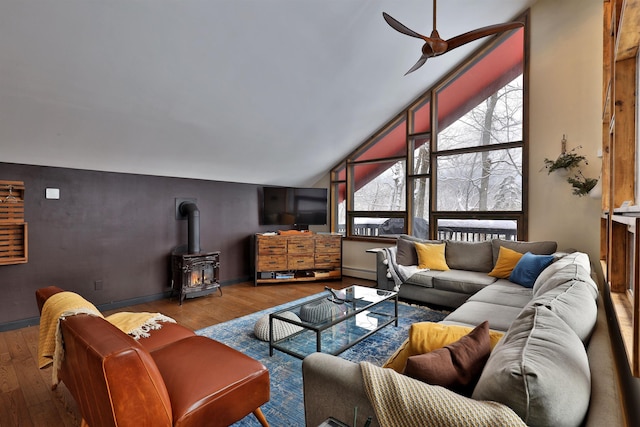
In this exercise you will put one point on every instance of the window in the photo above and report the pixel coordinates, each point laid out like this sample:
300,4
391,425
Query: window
453,164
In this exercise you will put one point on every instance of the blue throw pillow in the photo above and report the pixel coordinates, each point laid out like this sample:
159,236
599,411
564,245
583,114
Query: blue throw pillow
529,268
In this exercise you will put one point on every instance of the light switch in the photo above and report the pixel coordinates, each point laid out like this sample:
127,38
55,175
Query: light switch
52,193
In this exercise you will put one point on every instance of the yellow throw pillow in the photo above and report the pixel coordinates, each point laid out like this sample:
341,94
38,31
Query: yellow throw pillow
428,336
398,359
431,256
507,260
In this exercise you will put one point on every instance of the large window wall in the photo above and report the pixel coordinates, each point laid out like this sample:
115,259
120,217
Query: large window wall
453,164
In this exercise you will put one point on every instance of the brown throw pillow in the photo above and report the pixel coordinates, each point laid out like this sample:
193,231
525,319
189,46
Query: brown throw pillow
456,366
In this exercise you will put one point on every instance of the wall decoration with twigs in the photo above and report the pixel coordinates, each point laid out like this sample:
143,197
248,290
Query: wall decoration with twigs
567,164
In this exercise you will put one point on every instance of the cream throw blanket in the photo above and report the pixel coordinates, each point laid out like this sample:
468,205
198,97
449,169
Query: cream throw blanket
64,304
401,401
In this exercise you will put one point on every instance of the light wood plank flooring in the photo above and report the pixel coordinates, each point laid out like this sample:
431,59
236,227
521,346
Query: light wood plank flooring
26,398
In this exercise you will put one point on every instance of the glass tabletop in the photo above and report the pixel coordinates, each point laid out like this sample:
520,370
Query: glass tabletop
336,305
335,321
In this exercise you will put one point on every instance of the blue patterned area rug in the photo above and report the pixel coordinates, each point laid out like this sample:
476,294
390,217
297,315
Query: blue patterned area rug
286,407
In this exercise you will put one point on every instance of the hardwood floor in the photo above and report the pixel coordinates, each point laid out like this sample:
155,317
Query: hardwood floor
26,398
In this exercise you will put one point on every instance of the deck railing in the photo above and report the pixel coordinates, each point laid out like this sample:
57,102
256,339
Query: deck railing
450,232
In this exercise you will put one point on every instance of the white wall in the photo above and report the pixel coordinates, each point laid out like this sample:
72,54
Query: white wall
565,98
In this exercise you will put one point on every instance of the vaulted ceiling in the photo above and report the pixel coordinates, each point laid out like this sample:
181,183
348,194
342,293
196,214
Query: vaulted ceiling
255,91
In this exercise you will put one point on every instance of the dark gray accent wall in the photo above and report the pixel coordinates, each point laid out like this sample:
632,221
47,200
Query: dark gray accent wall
119,229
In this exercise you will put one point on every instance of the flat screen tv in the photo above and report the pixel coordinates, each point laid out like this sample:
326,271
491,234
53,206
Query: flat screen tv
294,206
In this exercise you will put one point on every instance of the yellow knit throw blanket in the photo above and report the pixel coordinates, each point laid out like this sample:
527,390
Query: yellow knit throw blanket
138,325
56,307
401,401
64,304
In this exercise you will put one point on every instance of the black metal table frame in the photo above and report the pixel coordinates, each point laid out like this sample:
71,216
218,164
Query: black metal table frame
319,329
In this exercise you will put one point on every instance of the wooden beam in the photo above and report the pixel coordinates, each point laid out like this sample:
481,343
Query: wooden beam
629,30
624,138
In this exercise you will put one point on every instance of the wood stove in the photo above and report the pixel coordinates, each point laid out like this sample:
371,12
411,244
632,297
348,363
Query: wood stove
195,275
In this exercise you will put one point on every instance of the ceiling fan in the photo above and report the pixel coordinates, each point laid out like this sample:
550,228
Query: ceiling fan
434,45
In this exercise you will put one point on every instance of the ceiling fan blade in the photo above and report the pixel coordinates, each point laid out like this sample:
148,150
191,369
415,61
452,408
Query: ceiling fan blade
470,36
396,25
435,45
418,64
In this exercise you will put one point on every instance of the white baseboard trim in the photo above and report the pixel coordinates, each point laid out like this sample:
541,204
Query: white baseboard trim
360,273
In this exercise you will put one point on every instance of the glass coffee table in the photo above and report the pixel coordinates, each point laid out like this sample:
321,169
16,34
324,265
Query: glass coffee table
335,321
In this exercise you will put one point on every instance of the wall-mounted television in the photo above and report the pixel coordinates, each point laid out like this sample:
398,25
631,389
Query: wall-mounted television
294,206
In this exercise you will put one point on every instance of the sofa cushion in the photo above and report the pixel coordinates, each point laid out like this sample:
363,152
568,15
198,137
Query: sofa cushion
200,394
560,272
529,268
431,256
472,256
417,239
169,333
538,248
540,370
472,313
566,274
574,303
406,252
506,262
467,282
563,259
504,292
456,366
423,278
428,336
459,281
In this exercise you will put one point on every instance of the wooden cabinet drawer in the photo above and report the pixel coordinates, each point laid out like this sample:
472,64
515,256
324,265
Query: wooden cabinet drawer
300,245
328,244
300,262
269,245
327,261
308,257
272,263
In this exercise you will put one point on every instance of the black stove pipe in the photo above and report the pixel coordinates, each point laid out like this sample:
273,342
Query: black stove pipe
190,210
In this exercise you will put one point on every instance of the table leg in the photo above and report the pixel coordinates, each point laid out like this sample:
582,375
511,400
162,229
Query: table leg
270,336
396,309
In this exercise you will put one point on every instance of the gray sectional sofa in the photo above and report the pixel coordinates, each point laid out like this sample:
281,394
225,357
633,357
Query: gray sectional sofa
553,366
469,263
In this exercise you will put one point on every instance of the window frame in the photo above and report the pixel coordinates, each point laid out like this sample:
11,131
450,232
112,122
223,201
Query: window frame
430,98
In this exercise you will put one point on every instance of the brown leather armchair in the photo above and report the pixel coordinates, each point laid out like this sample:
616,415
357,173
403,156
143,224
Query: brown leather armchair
178,380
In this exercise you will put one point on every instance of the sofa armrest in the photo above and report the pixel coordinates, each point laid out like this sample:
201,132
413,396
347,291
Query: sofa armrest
43,294
126,387
333,387
383,282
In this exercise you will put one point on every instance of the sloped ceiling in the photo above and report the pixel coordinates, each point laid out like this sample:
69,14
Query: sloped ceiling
254,91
